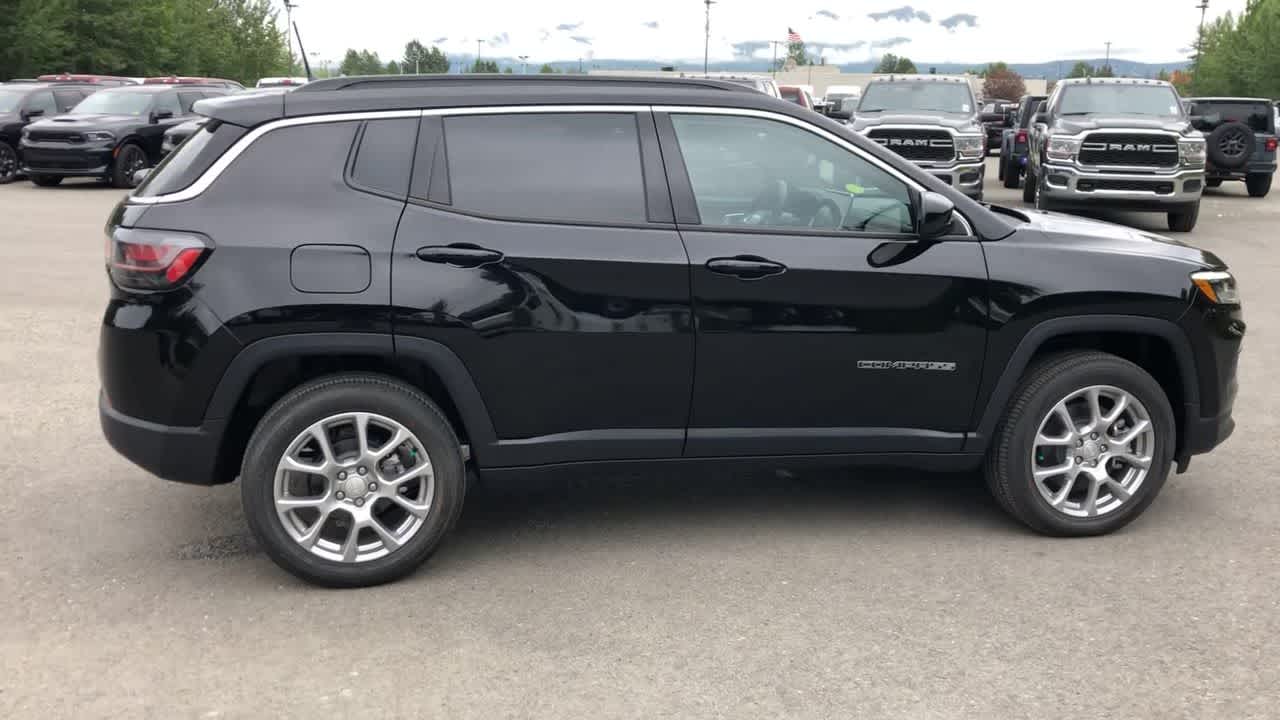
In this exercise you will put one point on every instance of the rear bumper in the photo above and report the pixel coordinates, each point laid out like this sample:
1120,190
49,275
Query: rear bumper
1253,168
181,454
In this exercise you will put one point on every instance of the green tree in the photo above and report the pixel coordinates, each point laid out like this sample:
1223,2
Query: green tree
415,54
393,68
484,66
361,62
546,69
891,63
507,70
1104,71
1163,75
1081,70
797,53
906,67
435,61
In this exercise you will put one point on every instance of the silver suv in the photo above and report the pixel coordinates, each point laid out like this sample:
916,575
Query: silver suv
931,120
1118,143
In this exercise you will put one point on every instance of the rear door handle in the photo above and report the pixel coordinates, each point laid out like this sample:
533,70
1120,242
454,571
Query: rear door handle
746,267
463,255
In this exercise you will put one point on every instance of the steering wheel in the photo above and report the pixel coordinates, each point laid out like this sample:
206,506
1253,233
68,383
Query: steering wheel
768,204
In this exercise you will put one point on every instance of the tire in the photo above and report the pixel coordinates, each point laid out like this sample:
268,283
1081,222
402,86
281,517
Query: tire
130,159
1010,463
1029,186
8,163
1213,182
1012,174
1259,184
1230,146
47,180
1000,167
281,430
1043,202
1184,218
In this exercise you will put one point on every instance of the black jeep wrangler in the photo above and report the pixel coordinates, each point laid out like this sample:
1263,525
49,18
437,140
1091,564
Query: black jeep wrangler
358,295
1241,140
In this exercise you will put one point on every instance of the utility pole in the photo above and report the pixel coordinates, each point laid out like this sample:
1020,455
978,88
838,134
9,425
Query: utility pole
1204,5
524,64
288,36
1107,64
706,37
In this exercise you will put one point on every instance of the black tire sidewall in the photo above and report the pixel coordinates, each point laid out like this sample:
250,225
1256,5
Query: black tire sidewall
1109,371
333,396
118,172
7,149
1258,184
1227,162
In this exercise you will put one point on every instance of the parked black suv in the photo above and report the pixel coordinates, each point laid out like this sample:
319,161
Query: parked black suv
22,104
995,118
1118,143
1241,140
111,135
353,296
931,120
1015,140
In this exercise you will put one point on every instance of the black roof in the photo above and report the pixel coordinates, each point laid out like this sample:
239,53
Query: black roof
406,92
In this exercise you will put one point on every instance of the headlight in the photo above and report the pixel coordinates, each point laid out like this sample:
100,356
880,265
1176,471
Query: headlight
970,146
1219,286
1060,148
101,136
1192,151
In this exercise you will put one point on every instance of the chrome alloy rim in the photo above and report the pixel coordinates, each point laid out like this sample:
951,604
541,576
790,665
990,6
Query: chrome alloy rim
354,487
1093,451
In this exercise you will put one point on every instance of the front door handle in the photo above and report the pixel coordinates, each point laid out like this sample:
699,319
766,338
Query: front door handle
746,267
463,255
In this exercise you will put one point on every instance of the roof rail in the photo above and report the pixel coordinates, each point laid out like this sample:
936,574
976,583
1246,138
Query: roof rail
373,82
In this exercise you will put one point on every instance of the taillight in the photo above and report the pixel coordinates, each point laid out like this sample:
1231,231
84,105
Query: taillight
1021,136
153,259
1271,144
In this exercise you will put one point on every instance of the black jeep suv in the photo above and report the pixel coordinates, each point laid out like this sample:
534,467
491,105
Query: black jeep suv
24,103
1015,140
357,295
1240,136
111,135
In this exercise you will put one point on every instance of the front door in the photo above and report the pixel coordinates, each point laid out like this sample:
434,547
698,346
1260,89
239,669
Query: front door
823,324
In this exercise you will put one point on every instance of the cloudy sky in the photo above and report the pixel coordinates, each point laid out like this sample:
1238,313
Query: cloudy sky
850,30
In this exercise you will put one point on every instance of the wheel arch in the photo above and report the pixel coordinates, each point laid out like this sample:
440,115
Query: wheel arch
264,371
1157,345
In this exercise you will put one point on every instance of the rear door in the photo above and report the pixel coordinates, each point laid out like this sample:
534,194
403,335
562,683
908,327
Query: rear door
539,247
823,324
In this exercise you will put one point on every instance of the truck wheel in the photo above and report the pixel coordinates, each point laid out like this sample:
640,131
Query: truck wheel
1259,184
46,180
1230,145
1184,218
1084,447
130,160
352,480
1012,174
1213,182
8,163
1029,187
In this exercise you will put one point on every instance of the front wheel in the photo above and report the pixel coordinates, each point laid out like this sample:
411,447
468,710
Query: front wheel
46,180
8,163
1085,445
1258,184
1184,218
352,480
130,160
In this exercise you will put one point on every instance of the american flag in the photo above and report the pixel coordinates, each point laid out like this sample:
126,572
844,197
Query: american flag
792,36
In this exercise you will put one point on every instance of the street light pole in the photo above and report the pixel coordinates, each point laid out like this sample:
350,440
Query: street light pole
478,43
524,64
288,36
1204,5
774,66
706,39
1107,64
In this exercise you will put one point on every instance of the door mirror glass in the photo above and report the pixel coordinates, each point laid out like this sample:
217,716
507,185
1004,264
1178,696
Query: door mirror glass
936,214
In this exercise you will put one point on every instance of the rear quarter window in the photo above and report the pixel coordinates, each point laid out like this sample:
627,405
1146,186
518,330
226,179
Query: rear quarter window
383,157
184,165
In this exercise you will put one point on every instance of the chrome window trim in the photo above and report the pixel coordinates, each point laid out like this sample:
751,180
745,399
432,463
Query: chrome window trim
210,175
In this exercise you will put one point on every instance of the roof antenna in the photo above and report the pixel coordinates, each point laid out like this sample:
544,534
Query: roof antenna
303,52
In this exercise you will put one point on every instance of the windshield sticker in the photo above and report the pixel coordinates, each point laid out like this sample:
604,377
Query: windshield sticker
964,107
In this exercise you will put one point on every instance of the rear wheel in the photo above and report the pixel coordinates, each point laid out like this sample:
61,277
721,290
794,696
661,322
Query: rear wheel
8,163
1184,218
352,480
1259,184
130,160
1029,186
46,180
1085,446
1012,174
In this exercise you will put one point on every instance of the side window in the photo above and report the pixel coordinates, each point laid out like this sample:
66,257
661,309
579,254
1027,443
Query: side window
750,172
168,102
383,156
66,99
557,167
187,99
42,100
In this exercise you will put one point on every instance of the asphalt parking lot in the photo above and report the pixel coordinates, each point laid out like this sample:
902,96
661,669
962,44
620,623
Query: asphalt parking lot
868,595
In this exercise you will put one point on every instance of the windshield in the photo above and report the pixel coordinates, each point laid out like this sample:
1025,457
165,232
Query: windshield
1120,100
114,103
950,97
9,101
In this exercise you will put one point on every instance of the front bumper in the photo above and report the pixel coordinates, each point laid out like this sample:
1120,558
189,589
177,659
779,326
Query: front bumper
61,159
964,176
1068,184
180,454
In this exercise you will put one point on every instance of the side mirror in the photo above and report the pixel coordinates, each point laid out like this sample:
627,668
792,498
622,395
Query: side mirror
159,115
140,175
936,212
1040,119
36,112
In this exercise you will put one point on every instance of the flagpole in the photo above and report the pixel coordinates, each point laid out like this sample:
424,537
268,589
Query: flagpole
774,66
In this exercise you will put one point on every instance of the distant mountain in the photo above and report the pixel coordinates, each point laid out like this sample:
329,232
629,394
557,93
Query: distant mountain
1050,70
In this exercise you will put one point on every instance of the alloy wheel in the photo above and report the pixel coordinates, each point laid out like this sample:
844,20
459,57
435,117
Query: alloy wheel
1093,451
354,487
8,163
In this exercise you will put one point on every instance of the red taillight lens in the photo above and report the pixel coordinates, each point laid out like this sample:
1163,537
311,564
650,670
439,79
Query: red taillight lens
1021,136
1271,144
153,259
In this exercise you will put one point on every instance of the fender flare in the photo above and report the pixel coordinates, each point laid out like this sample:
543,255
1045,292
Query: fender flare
1047,330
